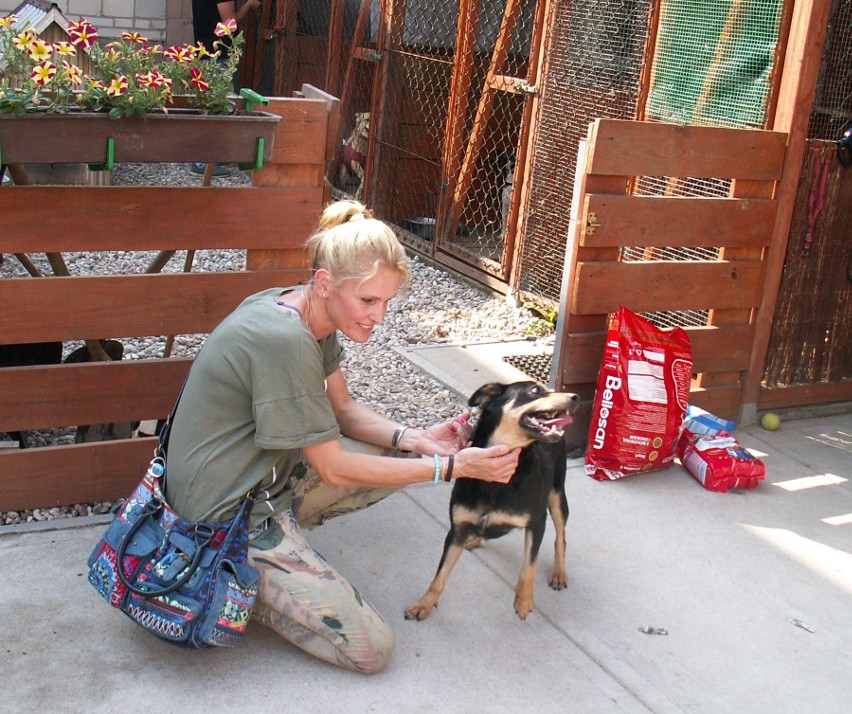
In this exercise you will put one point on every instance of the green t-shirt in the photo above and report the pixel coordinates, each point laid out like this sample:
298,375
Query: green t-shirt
255,396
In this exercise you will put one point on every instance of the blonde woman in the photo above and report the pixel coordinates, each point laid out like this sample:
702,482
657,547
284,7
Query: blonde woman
266,402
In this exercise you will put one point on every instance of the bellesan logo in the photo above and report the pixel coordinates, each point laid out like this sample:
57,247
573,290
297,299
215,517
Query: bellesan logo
613,384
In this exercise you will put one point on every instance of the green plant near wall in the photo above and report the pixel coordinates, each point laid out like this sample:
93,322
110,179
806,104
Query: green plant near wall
545,323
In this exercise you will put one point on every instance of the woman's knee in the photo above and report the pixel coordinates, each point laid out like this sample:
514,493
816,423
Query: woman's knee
374,655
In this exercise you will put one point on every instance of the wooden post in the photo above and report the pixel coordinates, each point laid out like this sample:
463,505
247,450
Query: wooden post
795,101
334,48
517,215
466,30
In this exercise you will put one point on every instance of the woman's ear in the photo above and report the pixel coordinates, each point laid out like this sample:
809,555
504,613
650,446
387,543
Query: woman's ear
322,281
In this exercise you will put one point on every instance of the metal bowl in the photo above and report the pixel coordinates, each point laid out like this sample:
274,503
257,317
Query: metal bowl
421,227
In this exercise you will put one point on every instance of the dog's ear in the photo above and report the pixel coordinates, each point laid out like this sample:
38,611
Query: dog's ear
486,394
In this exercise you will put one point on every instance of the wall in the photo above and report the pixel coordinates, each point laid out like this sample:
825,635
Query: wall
166,21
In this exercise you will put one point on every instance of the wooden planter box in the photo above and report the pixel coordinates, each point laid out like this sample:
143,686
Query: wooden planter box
181,135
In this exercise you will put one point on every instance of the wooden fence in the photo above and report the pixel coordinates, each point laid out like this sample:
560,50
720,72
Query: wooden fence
613,218
269,219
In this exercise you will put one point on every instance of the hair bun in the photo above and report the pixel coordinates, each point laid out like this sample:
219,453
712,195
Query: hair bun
343,211
358,216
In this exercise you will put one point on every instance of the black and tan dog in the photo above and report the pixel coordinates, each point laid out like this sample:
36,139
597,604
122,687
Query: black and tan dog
527,415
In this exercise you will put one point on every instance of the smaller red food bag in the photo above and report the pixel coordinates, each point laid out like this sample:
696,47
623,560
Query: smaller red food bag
718,461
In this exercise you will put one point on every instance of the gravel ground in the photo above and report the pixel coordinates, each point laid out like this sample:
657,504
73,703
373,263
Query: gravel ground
437,308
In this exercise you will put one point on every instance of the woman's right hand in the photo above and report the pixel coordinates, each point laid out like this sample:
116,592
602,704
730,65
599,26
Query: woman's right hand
494,463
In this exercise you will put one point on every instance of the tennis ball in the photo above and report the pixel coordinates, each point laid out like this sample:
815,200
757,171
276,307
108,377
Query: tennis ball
770,421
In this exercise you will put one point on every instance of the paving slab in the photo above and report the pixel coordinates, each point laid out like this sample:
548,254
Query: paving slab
727,576
753,590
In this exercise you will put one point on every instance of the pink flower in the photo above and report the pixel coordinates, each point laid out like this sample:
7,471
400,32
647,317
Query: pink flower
24,39
197,80
117,87
82,33
72,73
226,28
39,50
66,49
134,37
182,54
43,73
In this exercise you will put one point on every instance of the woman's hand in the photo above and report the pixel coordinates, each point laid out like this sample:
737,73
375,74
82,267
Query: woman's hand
495,463
446,437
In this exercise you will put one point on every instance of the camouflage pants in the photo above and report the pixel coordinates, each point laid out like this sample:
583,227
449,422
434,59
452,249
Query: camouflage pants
303,598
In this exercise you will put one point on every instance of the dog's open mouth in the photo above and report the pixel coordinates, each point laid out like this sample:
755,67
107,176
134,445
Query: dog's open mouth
550,424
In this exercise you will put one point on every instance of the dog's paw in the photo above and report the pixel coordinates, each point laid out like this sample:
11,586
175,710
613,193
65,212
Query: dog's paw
418,611
558,580
523,606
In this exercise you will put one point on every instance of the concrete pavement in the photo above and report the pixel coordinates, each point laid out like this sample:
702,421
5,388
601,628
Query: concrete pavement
754,590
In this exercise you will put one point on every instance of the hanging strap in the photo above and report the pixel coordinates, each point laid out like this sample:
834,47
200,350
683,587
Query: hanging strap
816,197
160,451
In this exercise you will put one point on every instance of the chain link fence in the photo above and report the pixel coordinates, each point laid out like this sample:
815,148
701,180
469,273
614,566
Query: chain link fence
811,340
711,66
596,58
832,110
447,123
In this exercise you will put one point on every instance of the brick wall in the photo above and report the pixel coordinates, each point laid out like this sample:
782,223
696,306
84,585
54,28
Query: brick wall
165,21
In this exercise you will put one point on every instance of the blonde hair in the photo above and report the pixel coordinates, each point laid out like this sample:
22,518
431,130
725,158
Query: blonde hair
352,245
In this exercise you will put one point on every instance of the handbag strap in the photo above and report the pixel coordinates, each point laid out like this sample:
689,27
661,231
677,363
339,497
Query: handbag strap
167,425
162,448
202,537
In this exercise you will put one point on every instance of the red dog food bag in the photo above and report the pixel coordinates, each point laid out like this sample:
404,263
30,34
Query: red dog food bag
718,461
641,398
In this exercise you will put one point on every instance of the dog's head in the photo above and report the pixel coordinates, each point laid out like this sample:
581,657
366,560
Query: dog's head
521,413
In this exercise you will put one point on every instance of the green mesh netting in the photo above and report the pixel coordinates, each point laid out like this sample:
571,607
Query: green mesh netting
713,62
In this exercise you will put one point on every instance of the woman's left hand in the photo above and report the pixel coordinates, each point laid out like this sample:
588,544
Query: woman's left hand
446,437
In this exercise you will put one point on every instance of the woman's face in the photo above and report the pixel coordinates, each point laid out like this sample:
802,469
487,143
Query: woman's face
355,307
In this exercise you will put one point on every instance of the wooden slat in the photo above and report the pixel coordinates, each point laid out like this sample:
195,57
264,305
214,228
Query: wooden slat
723,401
333,111
664,221
631,148
714,349
105,471
154,218
93,393
301,134
127,306
800,395
291,175
601,287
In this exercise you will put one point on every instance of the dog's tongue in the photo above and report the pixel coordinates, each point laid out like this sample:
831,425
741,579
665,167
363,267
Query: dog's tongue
564,419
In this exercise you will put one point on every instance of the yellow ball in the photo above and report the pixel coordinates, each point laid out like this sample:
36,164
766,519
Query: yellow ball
770,421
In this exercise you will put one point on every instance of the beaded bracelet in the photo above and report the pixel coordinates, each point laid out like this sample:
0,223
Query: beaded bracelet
437,476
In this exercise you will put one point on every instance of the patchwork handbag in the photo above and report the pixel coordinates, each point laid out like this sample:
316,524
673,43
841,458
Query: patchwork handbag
186,582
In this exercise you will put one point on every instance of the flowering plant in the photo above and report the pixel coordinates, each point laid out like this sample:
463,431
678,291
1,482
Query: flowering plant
130,76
